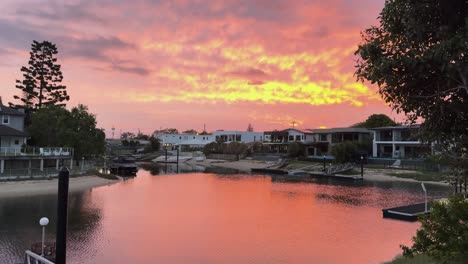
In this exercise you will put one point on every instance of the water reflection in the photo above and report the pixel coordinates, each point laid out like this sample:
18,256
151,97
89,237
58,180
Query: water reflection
19,218
219,218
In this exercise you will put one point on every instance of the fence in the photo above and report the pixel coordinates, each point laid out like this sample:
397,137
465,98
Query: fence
49,172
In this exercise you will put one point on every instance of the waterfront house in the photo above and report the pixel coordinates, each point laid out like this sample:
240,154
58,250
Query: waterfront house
16,158
229,136
278,141
399,142
320,142
12,132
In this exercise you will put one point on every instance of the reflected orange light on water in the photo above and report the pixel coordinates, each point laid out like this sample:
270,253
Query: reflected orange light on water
206,218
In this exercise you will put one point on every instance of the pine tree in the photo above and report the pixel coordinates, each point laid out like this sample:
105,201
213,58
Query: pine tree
41,85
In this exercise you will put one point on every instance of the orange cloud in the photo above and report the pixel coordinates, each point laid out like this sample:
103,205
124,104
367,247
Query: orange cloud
290,57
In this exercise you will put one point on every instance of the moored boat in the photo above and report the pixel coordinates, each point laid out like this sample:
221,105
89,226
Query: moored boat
123,165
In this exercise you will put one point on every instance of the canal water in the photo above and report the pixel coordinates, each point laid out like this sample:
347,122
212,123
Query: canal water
204,217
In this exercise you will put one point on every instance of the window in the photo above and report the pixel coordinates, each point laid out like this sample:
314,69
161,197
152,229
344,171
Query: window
323,137
291,138
16,142
298,137
6,119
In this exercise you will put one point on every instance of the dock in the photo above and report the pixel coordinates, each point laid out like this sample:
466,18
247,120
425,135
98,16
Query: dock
269,171
406,213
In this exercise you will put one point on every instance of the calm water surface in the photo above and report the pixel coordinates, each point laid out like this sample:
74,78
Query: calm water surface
211,218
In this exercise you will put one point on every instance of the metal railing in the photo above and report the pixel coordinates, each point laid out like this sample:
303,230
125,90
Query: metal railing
33,258
36,151
339,168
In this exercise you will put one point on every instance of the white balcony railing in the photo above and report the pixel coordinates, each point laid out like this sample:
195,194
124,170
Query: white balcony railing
33,258
36,151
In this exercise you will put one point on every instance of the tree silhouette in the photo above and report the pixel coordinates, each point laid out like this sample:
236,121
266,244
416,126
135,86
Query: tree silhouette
41,85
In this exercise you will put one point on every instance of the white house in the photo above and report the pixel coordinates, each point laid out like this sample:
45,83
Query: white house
185,140
238,136
399,142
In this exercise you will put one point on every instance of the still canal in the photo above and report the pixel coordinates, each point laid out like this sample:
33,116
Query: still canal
219,218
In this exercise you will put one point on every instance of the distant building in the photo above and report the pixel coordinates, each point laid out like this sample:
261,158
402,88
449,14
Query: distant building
321,141
399,142
186,141
238,136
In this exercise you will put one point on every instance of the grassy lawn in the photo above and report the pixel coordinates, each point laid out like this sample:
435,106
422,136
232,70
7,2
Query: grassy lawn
419,175
419,259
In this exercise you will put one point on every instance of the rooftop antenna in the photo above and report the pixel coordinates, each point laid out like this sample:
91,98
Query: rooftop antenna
113,129
293,124
204,127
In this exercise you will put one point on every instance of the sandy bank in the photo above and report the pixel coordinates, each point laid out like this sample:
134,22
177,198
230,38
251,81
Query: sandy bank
40,187
247,165
380,175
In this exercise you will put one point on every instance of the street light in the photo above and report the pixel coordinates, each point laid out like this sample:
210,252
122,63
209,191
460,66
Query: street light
362,166
166,145
324,165
43,222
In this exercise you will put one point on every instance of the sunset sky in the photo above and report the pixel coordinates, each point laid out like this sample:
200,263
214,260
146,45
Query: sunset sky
155,64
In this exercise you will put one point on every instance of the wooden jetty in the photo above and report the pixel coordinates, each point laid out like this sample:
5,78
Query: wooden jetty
269,171
406,213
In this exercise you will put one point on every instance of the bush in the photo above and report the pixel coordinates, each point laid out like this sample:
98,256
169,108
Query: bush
444,232
295,149
348,151
236,148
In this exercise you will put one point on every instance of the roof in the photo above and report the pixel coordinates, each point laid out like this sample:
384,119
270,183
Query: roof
9,131
396,127
341,130
297,130
5,110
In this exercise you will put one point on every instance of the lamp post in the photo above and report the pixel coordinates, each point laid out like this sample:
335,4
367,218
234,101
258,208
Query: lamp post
165,147
362,166
43,222
324,165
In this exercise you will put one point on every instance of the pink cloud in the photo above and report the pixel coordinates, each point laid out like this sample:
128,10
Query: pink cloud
182,63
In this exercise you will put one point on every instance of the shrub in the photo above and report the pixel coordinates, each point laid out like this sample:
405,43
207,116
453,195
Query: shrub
443,233
295,149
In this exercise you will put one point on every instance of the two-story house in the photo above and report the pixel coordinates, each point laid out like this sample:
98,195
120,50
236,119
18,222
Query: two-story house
399,142
278,140
229,136
321,141
12,133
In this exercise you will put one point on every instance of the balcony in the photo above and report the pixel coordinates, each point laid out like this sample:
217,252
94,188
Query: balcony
36,152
